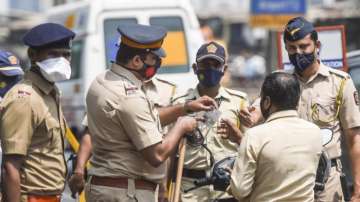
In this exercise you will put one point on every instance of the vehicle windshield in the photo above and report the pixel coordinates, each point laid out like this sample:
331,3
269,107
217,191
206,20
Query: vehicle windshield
174,44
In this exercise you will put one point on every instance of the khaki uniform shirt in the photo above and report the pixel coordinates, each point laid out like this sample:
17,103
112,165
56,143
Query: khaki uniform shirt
318,104
32,125
158,91
277,160
230,102
122,122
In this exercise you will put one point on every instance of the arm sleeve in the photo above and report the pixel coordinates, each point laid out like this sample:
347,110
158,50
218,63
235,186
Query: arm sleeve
349,111
140,122
17,125
243,173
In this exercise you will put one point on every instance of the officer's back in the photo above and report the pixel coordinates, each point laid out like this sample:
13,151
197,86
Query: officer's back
277,160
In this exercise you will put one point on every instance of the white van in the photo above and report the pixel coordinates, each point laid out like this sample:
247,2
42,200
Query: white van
95,23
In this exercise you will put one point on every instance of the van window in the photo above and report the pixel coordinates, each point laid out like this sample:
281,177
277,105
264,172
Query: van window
174,44
112,36
76,52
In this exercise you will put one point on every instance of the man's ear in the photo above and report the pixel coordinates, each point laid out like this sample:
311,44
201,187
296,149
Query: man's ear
32,54
136,60
267,102
285,44
194,67
318,46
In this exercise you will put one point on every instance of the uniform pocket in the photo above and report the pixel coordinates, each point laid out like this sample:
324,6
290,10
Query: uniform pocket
54,133
323,111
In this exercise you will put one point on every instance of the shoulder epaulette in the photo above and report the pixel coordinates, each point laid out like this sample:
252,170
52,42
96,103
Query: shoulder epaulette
20,90
24,85
181,95
166,81
236,93
339,73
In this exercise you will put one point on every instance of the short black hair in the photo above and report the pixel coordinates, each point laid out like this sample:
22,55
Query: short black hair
313,36
283,89
126,53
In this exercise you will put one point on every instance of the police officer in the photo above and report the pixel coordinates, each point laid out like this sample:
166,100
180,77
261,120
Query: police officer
125,128
32,125
328,99
159,92
10,72
210,67
277,160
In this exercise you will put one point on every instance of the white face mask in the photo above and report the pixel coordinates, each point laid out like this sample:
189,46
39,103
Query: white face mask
55,69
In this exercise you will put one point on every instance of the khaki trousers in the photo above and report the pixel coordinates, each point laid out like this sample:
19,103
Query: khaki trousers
333,190
97,193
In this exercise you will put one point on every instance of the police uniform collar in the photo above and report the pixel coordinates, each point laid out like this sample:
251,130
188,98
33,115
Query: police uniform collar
221,94
282,114
40,82
323,70
195,93
117,69
151,83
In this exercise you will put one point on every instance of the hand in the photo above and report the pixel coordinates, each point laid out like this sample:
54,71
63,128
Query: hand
250,116
187,123
76,183
222,179
228,130
162,195
355,197
204,103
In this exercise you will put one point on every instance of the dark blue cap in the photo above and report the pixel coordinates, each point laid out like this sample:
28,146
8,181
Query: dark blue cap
149,38
49,35
297,28
211,50
9,64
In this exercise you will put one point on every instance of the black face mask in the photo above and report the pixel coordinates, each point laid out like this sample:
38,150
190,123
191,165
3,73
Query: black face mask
302,61
265,112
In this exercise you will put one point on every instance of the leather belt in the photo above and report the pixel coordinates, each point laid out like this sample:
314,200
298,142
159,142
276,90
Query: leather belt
122,182
37,198
197,174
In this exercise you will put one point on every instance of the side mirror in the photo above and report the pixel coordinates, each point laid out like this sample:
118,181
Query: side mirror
327,136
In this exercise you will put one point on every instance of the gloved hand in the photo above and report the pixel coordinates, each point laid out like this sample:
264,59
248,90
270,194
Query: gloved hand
221,179
222,173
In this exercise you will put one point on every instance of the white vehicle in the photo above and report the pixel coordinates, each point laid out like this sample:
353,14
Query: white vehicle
95,23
